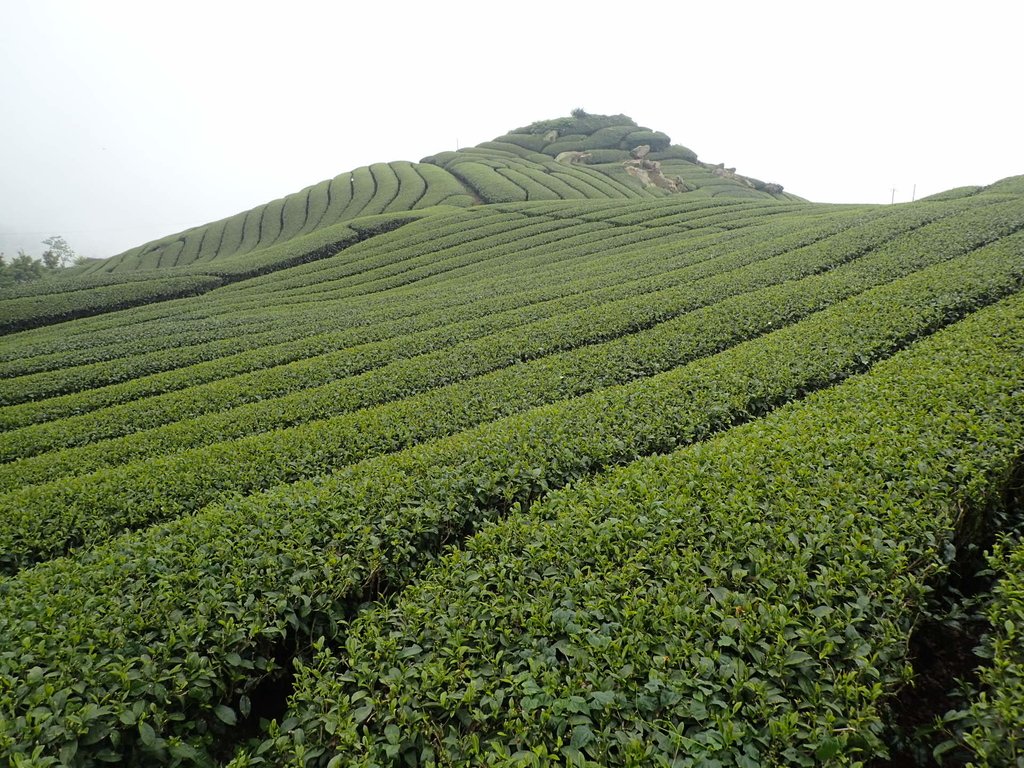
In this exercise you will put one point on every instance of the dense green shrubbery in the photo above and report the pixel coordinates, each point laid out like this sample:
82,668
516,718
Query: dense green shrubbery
988,728
567,143
608,138
531,142
514,150
675,152
302,557
371,190
745,601
954,194
490,186
283,457
317,202
1011,185
270,223
34,311
656,140
427,380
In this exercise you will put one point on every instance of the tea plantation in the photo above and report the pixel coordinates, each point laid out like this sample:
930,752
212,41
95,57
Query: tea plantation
568,449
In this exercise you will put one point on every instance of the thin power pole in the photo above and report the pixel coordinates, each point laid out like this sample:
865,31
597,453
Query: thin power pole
892,200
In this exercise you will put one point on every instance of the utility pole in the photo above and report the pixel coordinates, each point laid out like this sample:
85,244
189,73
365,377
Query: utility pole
892,200
913,195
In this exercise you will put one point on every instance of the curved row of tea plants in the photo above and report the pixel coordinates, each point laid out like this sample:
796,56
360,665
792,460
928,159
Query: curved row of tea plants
745,601
142,648
78,299
45,521
31,311
708,281
623,273
291,324
387,275
364,191
110,331
442,231
535,329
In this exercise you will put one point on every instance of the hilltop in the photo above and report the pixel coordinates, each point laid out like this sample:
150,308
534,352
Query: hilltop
572,158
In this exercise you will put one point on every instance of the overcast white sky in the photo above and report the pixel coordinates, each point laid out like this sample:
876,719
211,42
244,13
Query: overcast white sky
125,121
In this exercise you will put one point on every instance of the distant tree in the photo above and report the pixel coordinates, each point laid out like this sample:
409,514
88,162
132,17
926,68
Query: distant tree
578,113
59,253
21,269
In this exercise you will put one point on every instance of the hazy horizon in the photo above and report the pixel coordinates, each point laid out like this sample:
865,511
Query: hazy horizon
127,122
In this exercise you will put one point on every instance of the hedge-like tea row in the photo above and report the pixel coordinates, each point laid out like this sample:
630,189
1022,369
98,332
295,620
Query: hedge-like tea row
141,649
429,237
683,290
626,287
643,270
87,333
75,281
743,602
364,191
44,521
435,306
97,333
285,456
33,311
578,327
390,274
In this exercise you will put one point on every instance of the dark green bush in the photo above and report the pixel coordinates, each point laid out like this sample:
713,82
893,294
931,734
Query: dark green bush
573,142
657,140
534,143
674,152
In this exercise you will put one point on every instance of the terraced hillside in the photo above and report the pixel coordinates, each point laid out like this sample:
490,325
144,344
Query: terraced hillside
664,478
532,163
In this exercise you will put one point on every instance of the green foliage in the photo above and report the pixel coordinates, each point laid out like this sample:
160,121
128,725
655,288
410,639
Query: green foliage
22,269
989,726
744,601
1011,185
29,312
175,625
954,194
489,185
573,142
609,138
58,253
562,437
380,188
658,141
532,142
675,152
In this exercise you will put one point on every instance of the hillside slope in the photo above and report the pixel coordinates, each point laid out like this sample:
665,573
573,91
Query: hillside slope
654,479
532,163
